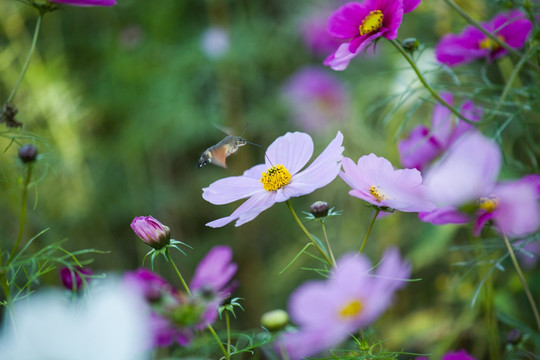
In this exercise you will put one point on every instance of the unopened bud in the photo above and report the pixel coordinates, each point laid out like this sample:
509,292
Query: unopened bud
319,209
151,231
410,44
71,278
28,153
275,320
513,336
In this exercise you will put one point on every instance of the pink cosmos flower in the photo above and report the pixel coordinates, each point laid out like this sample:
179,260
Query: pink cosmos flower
316,99
362,24
279,179
374,180
423,144
326,312
463,186
212,280
512,28
151,231
86,2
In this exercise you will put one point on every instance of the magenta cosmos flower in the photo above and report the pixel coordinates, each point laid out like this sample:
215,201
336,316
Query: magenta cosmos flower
373,179
455,355
86,2
151,231
463,186
326,312
316,99
363,23
279,179
71,278
424,144
512,28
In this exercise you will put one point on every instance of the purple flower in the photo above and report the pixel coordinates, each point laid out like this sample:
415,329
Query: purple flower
316,99
362,24
151,231
374,180
86,2
281,177
165,302
512,28
71,278
215,42
463,186
212,280
327,311
423,145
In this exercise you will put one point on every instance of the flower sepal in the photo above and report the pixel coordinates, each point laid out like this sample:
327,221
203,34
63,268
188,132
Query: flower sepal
163,251
230,306
331,212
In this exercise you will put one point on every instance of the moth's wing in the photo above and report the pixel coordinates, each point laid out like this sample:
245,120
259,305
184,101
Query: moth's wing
219,156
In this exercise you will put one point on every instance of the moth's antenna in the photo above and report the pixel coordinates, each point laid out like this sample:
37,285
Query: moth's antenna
243,131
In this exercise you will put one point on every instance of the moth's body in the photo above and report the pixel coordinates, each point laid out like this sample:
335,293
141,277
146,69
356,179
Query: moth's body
218,153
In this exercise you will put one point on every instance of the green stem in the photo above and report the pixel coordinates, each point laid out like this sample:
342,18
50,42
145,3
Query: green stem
523,281
308,234
186,287
424,82
23,214
369,229
227,321
28,57
328,243
492,37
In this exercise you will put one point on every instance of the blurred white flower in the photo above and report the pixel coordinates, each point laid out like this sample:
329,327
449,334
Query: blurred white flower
110,323
215,42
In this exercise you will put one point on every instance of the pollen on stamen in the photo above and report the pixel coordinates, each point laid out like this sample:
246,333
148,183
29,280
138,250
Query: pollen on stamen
377,193
488,203
371,23
489,44
351,309
275,178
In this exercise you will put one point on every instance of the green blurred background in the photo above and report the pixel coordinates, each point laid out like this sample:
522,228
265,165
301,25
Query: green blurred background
122,101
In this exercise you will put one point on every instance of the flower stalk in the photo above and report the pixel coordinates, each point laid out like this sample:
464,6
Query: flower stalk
22,219
424,82
523,281
28,58
328,243
369,229
310,237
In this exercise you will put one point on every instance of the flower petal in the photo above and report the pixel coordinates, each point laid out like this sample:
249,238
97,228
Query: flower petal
248,210
234,188
292,150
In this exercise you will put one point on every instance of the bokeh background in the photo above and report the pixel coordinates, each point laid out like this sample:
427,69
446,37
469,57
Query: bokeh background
122,101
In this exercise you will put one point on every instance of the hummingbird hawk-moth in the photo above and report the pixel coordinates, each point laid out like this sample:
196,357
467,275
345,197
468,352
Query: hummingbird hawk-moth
218,153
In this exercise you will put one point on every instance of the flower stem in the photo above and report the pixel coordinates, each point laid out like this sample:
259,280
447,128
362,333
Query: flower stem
522,279
424,82
186,287
184,284
308,234
492,37
369,229
22,219
328,243
228,322
28,57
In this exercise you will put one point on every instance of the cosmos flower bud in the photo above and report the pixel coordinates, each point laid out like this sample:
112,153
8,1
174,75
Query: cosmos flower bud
71,279
410,44
319,209
275,320
151,231
28,153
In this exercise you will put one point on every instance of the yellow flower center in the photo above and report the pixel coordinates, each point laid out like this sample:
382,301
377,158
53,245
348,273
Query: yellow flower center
377,193
372,22
489,203
275,178
489,44
351,309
